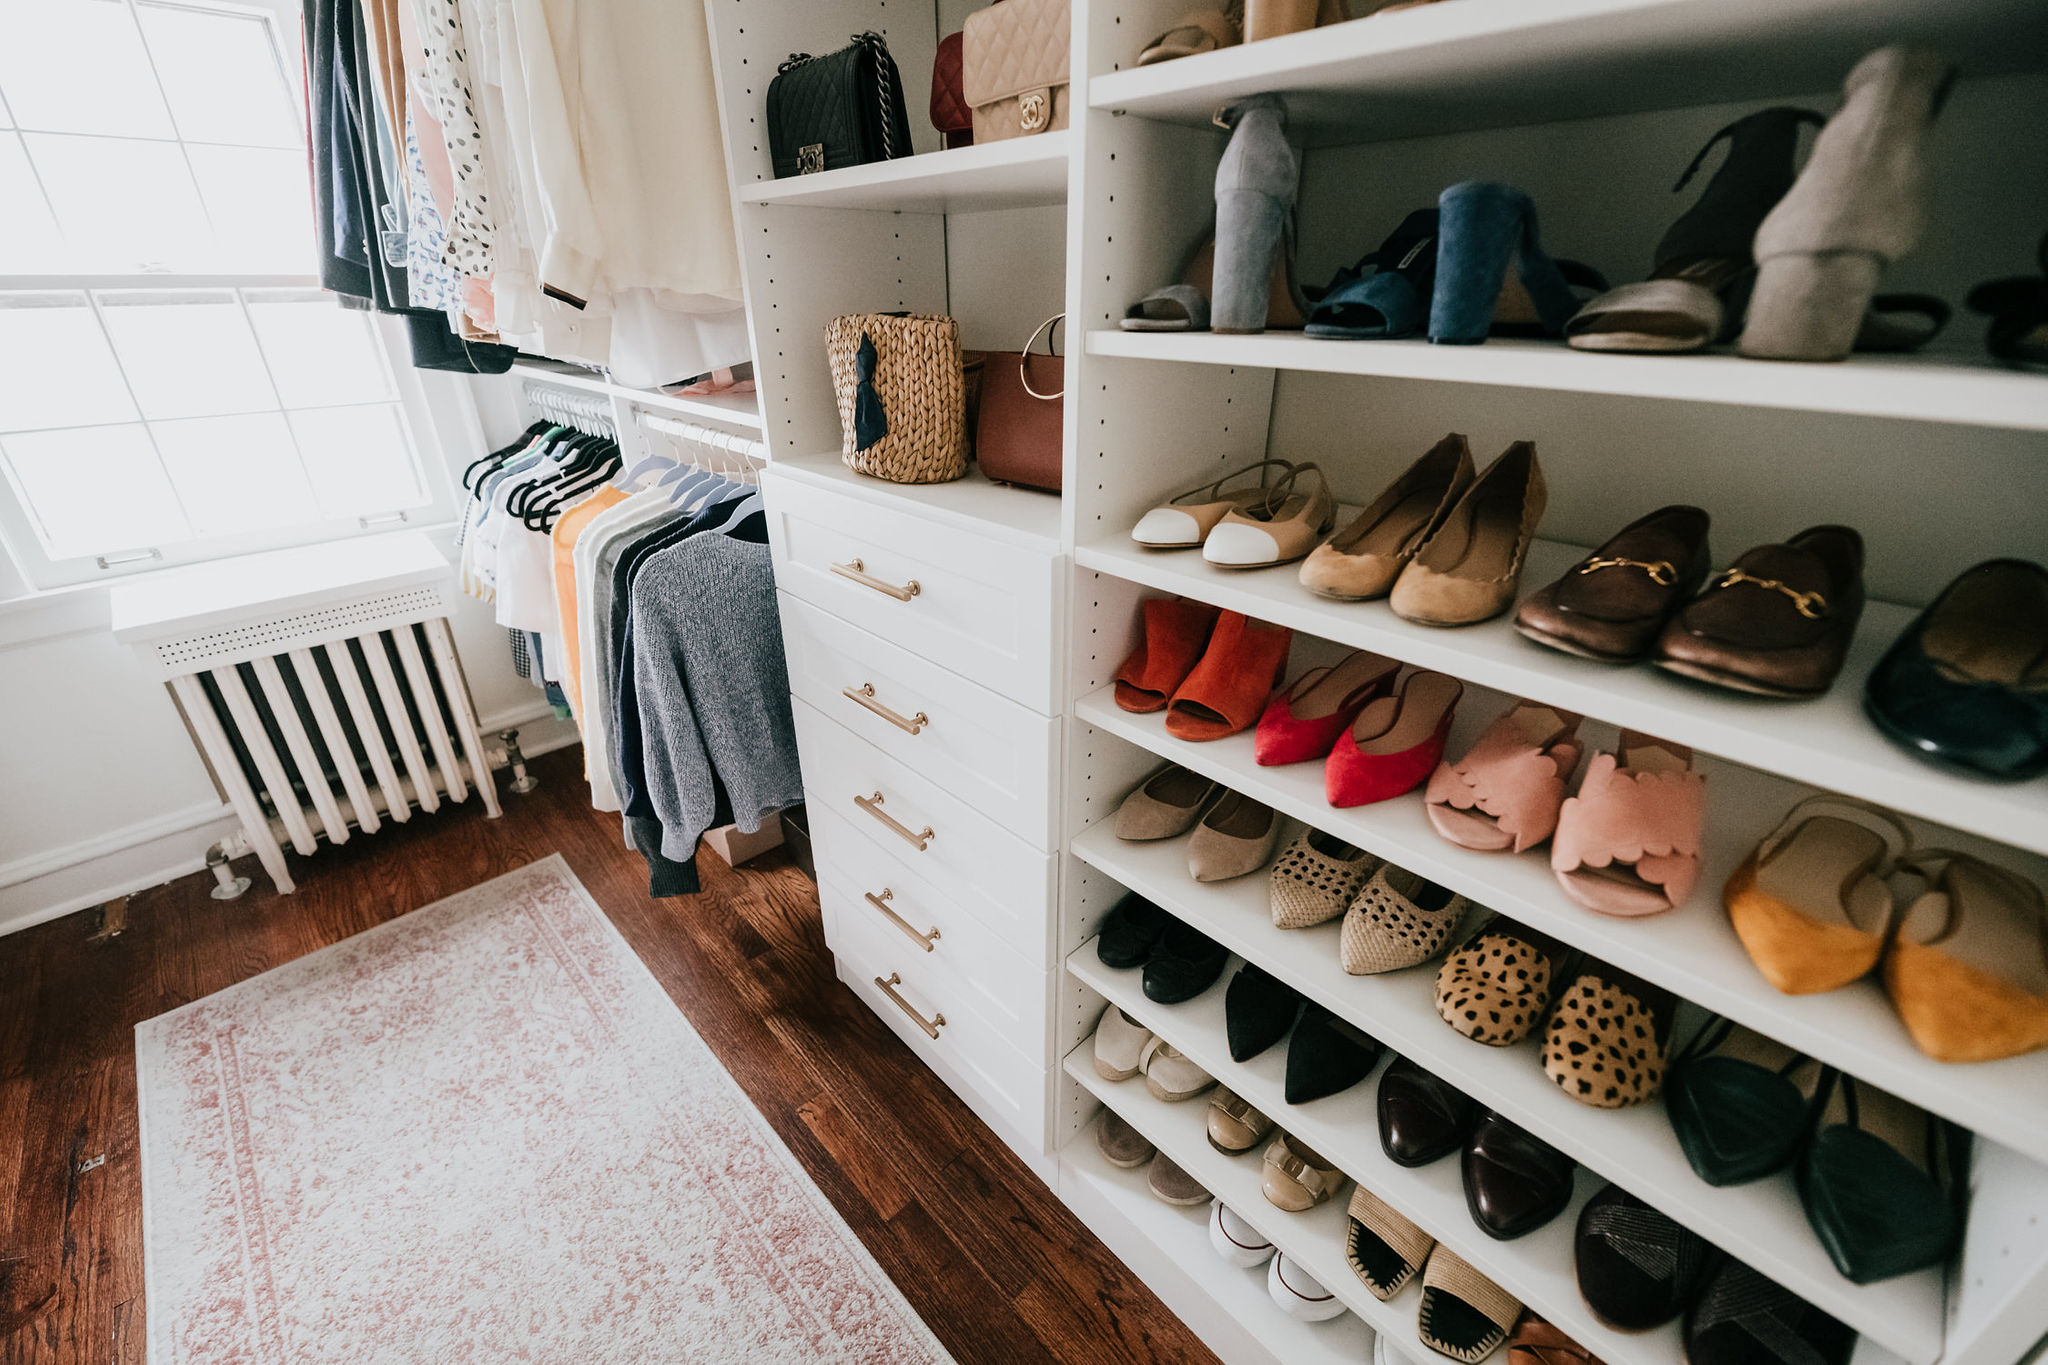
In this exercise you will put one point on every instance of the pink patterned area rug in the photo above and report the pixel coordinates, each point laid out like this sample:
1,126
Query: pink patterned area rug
482,1132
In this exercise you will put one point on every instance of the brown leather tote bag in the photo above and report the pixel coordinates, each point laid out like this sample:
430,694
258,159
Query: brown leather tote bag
1017,430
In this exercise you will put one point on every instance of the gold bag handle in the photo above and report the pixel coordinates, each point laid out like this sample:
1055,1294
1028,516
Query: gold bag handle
1024,357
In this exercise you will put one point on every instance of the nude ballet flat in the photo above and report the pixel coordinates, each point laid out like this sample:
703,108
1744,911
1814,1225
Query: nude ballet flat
1629,843
1185,520
1812,904
1280,529
1166,806
1362,561
1505,792
1967,969
1468,569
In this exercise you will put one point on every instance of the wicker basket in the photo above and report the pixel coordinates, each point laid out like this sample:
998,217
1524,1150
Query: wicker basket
918,384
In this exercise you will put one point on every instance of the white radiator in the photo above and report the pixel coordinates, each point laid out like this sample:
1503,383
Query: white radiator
321,685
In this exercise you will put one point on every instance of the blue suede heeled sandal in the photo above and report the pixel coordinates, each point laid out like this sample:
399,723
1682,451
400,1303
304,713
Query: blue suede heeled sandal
1486,229
1387,294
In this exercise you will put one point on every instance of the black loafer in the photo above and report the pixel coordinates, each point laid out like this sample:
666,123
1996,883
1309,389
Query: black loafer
1421,1118
1327,1055
1186,963
1258,1009
1967,684
1131,932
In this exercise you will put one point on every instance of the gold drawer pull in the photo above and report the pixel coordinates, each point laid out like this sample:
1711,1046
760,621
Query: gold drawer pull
930,1026
873,806
865,695
924,941
852,569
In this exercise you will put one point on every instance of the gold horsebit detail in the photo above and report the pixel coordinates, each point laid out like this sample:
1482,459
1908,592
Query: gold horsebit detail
1660,571
1811,605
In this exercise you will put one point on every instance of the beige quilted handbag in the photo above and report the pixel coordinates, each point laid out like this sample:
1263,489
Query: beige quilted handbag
902,395
1013,68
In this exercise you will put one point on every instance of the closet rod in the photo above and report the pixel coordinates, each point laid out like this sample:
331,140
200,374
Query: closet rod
705,436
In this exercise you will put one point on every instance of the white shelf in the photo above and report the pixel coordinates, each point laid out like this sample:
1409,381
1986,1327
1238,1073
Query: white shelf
1021,516
1927,388
730,409
1016,172
1315,1239
1488,63
1826,741
1691,951
1760,1223
1181,1235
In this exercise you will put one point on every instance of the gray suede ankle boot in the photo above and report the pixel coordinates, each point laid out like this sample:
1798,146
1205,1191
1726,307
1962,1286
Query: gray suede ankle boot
1255,188
1859,205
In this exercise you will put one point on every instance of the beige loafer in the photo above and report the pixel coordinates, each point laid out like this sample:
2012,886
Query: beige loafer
1169,1075
1469,569
1295,1178
1362,561
1234,1126
1280,529
1186,519
1235,838
1119,1045
1166,806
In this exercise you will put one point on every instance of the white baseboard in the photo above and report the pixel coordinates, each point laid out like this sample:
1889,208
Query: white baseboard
120,862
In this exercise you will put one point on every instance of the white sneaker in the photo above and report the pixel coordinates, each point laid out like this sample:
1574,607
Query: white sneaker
1119,1041
1235,1240
1298,1295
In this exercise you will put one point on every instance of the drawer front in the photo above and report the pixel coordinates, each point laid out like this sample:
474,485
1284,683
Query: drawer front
1000,1082
987,871
988,750
982,608
1002,983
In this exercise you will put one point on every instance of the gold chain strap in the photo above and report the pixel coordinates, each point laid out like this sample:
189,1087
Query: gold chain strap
1660,571
1812,605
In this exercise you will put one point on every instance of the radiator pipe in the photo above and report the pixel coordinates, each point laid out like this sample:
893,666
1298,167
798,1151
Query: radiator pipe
522,781
230,885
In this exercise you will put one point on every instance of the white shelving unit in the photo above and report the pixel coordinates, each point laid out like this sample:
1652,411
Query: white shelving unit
1594,107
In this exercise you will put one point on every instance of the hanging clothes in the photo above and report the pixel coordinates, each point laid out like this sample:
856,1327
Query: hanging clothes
569,528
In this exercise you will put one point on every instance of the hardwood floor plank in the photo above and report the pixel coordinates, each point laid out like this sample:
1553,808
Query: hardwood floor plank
981,1249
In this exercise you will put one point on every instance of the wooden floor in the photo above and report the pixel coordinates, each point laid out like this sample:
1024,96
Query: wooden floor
991,1259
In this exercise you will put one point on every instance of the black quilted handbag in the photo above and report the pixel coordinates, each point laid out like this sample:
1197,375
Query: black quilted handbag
843,109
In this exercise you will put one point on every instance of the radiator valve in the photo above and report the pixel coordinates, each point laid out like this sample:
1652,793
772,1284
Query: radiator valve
522,781
230,886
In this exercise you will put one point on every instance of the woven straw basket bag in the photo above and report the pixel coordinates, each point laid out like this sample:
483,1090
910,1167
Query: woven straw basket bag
902,399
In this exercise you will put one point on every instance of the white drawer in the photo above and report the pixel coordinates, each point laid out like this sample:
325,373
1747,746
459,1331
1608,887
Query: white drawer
1000,1083
985,609
1005,984
986,870
984,748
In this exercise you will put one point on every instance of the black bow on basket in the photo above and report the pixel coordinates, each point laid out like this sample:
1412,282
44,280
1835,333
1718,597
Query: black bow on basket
870,423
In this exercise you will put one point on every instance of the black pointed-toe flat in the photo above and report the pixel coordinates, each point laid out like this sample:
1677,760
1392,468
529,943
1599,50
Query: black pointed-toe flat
1326,1055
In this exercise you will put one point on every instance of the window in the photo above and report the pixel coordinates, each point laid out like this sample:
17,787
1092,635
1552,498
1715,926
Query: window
173,384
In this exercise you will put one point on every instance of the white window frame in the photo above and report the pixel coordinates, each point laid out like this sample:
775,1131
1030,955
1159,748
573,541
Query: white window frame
436,409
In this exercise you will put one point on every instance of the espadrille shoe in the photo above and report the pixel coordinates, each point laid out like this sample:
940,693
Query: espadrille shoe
1316,877
1464,1315
1385,1250
1399,920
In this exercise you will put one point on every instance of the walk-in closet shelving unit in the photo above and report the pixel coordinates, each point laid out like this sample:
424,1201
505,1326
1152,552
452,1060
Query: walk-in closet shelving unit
924,625
1940,460
1593,106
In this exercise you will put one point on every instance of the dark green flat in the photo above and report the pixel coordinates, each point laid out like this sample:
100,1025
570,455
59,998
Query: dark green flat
1878,1212
1737,1120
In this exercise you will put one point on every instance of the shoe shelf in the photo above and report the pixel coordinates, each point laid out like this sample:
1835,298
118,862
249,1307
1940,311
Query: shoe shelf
1181,1236
1018,516
1761,1223
1826,741
1927,387
1492,63
1314,1239
1690,951
1018,172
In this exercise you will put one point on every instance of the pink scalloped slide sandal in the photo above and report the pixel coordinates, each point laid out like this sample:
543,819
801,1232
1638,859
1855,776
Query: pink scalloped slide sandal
1506,790
1629,843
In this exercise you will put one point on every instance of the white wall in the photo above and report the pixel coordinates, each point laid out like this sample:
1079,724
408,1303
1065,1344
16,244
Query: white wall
101,790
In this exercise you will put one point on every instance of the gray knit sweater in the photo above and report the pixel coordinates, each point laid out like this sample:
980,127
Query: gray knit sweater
713,688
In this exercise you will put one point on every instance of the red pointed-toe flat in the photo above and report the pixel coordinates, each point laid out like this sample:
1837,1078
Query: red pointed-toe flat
1395,743
1177,630
1304,721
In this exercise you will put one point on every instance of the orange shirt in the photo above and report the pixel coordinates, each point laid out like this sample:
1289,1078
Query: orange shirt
568,526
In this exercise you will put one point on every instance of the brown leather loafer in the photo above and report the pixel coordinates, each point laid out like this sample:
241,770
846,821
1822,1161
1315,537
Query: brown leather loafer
1514,1182
1421,1118
1779,622
1611,604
